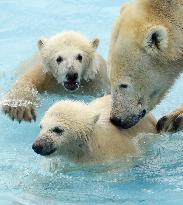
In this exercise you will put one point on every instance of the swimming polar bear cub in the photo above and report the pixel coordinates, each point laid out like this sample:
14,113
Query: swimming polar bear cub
67,62
83,133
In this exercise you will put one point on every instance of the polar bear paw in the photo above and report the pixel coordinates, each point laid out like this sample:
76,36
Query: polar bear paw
171,123
20,113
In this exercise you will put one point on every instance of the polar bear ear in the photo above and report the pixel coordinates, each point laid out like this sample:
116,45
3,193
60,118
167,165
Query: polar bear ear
156,39
42,42
95,43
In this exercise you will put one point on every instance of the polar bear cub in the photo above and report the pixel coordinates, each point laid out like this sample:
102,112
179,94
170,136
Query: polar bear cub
67,62
83,132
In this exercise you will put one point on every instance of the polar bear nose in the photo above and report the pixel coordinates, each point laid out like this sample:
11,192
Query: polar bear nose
37,148
72,76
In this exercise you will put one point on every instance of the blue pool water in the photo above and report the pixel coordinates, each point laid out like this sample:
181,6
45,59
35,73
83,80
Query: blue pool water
157,177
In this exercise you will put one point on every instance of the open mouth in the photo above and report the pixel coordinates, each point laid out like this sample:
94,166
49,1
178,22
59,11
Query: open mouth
71,86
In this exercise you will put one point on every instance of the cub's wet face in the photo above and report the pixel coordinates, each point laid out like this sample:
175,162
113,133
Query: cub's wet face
47,143
65,130
72,72
67,67
68,61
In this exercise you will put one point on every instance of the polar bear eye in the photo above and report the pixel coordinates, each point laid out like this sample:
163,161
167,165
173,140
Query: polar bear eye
57,130
79,57
59,59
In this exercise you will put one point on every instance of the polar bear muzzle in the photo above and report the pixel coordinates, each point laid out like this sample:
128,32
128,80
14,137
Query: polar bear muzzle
44,146
129,122
72,82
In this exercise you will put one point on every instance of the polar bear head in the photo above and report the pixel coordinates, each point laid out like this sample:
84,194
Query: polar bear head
66,129
145,58
69,57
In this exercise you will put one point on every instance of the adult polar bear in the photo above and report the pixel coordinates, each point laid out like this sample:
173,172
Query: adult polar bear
146,57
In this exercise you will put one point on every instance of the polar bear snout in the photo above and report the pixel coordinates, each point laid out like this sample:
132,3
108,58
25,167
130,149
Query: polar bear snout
72,81
129,122
44,146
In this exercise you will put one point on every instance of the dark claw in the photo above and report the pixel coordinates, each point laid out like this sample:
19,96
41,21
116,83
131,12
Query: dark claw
20,121
34,118
5,112
177,123
161,123
13,118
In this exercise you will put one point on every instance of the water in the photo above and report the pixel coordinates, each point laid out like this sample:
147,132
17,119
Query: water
157,177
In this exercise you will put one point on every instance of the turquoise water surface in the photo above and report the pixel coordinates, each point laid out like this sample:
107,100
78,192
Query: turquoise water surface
156,178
